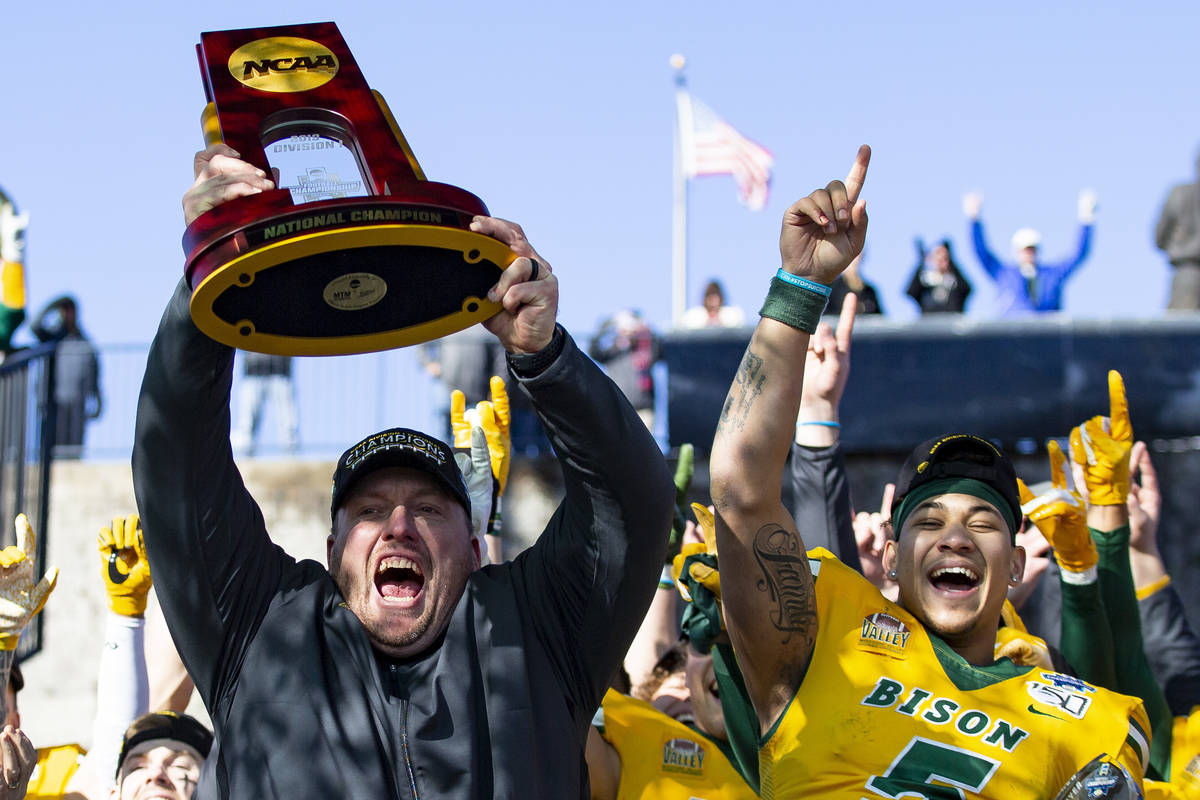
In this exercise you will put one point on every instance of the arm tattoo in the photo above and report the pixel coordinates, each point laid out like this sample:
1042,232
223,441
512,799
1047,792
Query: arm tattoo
786,575
747,386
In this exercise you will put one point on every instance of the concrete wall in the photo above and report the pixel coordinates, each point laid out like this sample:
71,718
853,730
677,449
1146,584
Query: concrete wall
58,702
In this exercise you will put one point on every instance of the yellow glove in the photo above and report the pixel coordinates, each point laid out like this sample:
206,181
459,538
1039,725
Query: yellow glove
703,573
1023,648
124,566
20,599
459,425
496,426
1016,642
491,415
1060,516
1101,446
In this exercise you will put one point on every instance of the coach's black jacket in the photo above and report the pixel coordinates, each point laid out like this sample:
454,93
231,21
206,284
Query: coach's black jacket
302,706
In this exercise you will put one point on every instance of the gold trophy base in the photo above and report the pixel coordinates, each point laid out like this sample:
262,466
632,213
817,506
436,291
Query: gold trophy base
351,290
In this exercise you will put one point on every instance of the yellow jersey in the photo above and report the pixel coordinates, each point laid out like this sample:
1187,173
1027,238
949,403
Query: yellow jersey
55,766
885,710
662,759
1185,762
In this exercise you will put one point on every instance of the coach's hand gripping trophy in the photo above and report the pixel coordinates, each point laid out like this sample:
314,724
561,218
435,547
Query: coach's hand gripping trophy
355,250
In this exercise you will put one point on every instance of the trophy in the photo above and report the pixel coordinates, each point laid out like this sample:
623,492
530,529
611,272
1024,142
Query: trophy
354,251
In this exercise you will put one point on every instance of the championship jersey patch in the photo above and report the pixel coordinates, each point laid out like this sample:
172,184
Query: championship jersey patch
683,756
1062,692
883,633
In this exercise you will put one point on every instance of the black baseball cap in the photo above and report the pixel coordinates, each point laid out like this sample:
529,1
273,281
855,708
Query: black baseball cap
399,447
959,456
165,725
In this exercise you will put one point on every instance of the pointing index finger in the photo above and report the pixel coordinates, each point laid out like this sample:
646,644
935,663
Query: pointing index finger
845,323
1121,428
26,540
885,506
858,174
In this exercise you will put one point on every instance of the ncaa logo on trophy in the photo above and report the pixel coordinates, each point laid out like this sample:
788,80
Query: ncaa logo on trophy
355,251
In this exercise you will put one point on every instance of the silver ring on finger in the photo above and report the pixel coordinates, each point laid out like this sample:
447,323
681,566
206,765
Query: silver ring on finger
533,273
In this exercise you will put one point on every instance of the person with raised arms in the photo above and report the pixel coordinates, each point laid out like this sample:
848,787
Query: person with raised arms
398,668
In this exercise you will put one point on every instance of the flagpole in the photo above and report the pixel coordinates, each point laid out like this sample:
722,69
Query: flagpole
683,129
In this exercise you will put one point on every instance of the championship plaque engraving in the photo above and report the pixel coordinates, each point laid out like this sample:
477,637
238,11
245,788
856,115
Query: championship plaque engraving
355,250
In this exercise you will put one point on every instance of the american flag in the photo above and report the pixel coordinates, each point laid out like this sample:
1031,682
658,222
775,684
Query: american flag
711,146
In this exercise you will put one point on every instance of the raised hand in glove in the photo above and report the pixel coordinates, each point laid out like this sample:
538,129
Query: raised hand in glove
476,469
20,598
695,573
495,418
1061,517
1102,445
496,426
124,567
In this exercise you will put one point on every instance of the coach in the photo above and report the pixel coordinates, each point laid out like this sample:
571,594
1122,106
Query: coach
399,669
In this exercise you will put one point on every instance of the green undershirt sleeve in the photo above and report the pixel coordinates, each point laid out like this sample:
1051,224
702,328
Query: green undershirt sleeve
1133,673
741,721
1088,647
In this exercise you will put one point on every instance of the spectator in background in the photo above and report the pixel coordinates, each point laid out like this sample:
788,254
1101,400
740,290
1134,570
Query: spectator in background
1030,284
628,349
266,379
12,271
713,313
76,374
851,282
466,361
161,756
937,284
1178,235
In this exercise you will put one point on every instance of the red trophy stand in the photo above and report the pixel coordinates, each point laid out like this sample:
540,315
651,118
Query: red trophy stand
351,259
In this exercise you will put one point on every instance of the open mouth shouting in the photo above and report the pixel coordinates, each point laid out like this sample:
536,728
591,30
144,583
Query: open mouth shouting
955,580
399,580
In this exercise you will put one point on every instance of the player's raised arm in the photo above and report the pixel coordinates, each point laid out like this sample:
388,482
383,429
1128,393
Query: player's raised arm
768,592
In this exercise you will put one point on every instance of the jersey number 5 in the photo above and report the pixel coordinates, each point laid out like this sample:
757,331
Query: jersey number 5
922,762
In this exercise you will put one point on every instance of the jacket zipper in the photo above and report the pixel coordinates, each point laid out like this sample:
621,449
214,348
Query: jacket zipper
408,767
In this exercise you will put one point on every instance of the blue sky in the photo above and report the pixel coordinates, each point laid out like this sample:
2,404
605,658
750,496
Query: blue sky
560,117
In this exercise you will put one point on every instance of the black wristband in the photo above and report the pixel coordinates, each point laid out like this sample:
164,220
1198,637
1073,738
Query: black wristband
793,305
529,365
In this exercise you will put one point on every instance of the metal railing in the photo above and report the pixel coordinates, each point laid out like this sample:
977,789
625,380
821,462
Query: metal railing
339,400
27,418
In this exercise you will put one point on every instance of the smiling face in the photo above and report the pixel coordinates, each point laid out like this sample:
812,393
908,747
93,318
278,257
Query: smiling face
159,768
954,560
401,551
